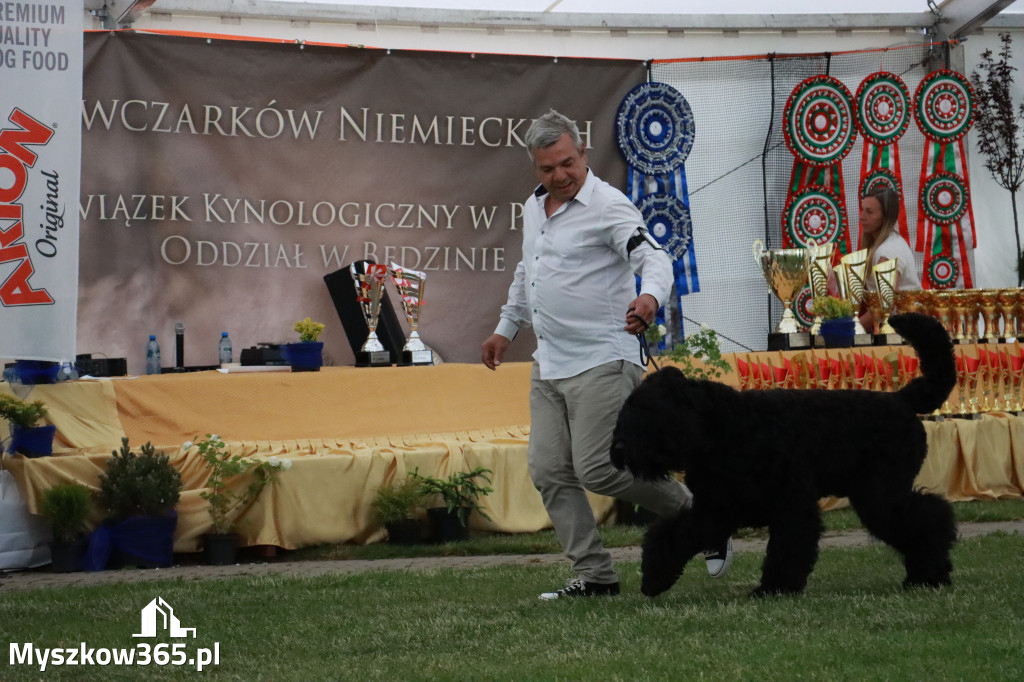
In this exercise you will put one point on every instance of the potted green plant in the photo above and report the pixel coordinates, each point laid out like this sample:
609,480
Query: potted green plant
221,546
307,354
139,492
398,507
699,356
836,321
460,494
66,506
27,436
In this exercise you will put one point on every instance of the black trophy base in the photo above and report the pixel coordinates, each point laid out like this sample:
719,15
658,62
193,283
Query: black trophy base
888,340
863,339
792,341
983,339
416,357
373,358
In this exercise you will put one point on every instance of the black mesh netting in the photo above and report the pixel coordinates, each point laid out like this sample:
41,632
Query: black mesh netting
740,167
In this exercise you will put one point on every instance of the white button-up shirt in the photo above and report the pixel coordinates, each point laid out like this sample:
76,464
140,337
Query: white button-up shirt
576,279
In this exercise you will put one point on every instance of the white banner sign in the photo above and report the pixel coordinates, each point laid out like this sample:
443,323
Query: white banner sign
40,169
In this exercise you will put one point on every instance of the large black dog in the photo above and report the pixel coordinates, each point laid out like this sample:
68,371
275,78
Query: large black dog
765,458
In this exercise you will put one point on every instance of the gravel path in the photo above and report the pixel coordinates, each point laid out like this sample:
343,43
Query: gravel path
43,578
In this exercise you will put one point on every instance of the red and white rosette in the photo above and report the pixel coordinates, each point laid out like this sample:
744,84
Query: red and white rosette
943,106
883,108
943,110
812,217
944,198
803,307
820,131
942,272
883,116
818,119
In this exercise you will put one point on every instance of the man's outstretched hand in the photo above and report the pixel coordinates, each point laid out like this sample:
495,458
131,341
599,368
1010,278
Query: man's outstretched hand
493,350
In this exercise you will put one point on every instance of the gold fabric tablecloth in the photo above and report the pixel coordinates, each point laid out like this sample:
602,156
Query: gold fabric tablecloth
350,430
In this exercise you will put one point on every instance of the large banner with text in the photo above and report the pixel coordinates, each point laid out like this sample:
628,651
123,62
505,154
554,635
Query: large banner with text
40,162
221,180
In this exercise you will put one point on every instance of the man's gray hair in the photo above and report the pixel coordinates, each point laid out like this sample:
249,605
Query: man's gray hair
548,129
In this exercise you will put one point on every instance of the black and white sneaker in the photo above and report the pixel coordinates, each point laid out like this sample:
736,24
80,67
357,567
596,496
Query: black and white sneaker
577,587
719,559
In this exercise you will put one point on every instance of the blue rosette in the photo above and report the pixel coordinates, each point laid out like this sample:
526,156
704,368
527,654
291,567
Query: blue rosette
654,128
668,220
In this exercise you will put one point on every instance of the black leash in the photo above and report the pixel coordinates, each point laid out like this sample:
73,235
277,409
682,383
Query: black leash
645,352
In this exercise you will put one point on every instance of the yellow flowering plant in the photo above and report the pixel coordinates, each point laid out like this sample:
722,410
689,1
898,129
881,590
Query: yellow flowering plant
308,329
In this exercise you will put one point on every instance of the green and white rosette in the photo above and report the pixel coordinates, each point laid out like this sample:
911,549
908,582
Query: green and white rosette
943,110
883,116
819,131
814,216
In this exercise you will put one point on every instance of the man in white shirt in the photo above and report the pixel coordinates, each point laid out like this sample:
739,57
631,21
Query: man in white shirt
583,240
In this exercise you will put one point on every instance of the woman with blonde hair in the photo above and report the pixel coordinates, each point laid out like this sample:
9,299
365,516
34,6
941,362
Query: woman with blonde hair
879,212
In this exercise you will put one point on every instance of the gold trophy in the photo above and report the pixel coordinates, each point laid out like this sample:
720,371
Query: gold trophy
1008,309
944,300
966,313
785,271
409,284
855,269
369,282
989,310
886,274
821,264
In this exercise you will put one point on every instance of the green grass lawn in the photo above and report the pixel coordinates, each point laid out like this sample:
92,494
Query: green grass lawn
853,623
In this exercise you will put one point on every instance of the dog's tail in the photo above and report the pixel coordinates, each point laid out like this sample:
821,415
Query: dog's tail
926,393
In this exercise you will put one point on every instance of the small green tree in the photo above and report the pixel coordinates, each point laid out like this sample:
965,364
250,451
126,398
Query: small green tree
144,484
997,121
66,507
223,466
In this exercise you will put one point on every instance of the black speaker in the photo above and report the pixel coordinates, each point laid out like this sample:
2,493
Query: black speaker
389,331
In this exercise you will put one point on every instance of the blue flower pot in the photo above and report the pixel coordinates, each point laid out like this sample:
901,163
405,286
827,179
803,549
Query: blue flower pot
305,356
32,441
36,371
837,333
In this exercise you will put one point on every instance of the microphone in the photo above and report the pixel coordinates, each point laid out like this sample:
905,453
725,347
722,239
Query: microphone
179,333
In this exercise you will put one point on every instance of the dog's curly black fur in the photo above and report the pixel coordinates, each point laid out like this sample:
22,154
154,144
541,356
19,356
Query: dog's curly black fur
748,467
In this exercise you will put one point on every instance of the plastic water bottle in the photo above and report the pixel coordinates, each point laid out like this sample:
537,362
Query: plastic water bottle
224,349
152,356
67,372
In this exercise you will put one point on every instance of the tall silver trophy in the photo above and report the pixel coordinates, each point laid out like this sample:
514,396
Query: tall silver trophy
368,279
409,285
786,272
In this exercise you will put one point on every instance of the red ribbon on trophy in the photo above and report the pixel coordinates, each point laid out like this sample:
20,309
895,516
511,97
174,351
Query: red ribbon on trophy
883,115
945,218
819,130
